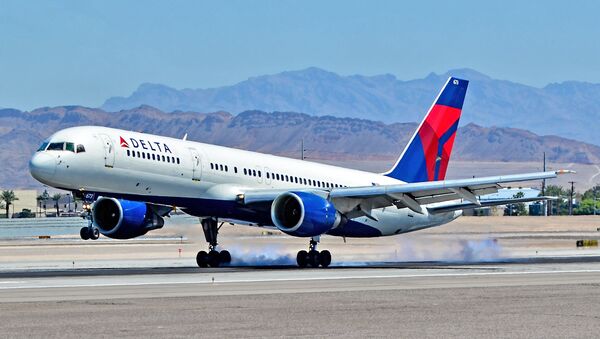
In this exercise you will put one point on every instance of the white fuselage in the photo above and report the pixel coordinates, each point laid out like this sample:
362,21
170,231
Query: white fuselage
202,179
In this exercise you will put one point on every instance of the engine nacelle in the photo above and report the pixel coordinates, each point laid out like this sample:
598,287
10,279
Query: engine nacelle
124,219
304,214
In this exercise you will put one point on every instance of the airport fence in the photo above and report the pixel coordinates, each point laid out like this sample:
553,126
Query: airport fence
40,227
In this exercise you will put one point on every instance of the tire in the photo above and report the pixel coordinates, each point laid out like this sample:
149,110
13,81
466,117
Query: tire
95,234
84,233
202,259
214,259
302,259
225,257
313,258
325,258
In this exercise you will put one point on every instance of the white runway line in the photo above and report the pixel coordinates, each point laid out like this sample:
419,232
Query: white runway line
233,281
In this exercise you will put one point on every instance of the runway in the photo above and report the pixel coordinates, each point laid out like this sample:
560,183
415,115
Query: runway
488,285
551,299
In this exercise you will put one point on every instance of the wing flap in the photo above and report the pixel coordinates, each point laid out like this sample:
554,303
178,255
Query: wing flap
467,205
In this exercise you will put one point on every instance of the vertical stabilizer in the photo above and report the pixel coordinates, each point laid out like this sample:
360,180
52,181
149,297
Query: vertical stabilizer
426,156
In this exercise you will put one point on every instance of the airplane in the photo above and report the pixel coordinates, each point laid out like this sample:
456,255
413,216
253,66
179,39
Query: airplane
134,180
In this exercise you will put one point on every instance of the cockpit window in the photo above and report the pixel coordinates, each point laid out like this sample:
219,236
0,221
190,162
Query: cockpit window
80,148
69,146
43,146
56,146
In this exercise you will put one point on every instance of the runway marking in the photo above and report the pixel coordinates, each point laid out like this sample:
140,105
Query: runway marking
297,279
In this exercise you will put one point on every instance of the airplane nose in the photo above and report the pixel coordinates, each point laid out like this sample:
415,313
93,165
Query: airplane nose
42,166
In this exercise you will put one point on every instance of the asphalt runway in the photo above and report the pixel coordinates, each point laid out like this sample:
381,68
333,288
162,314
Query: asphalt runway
477,277
553,297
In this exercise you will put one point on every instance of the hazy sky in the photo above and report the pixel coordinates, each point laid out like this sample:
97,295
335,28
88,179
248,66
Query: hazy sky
82,52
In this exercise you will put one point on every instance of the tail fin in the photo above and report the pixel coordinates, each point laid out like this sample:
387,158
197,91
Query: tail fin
426,156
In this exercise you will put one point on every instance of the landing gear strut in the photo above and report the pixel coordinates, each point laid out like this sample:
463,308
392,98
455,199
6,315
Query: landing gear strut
313,257
212,258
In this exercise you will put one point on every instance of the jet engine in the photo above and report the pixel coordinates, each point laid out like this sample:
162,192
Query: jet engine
124,219
304,214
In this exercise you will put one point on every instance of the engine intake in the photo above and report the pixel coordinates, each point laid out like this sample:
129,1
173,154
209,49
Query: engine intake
304,214
124,219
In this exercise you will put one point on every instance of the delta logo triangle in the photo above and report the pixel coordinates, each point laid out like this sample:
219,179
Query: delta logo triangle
124,143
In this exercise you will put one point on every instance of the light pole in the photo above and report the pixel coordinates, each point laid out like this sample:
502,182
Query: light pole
544,203
594,202
571,197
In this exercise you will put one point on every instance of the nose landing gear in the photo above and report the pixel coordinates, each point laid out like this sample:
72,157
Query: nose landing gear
89,232
313,257
212,258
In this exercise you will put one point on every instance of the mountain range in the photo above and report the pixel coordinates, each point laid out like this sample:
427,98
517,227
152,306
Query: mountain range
325,137
565,109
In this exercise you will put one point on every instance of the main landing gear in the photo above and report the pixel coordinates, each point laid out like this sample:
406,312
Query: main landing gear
313,257
212,258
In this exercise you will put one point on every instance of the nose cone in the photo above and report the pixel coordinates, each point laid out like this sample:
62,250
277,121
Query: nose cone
42,167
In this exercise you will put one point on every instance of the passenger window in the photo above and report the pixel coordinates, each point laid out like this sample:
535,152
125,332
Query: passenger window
143,155
163,158
221,167
169,160
253,172
259,175
69,146
211,166
128,152
226,169
245,173
268,175
172,160
153,156
56,146
277,176
235,169
177,161
43,146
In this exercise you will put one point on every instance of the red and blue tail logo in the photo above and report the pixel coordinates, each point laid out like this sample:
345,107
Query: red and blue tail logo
426,156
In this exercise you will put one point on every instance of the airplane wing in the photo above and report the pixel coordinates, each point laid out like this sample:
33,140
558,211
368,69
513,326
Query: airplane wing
359,201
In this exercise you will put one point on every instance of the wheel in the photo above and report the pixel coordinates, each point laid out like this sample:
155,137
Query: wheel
202,259
313,258
84,233
225,257
302,259
325,258
214,260
95,234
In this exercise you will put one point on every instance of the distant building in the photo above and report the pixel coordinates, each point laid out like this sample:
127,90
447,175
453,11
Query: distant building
26,201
